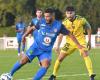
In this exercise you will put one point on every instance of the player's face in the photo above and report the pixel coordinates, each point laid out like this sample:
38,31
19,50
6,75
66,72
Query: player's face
70,14
48,17
39,13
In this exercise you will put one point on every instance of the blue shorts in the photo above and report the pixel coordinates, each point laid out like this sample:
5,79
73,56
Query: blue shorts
19,39
34,51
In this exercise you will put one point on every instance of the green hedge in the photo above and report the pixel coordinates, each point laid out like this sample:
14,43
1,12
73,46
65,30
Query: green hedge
7,31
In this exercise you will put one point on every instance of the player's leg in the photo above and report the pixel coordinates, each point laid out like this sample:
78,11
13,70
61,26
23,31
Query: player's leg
45,60
65,51
19,45
60,58
28,57
19,50
88,63
19,64
23,47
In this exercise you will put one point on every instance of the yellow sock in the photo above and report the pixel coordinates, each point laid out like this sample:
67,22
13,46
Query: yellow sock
56,67
88,65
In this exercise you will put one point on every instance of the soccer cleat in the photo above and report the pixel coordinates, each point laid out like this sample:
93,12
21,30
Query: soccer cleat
52,77
92,77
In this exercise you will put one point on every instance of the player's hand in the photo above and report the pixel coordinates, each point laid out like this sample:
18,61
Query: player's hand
89,45
57,50
21,30
81,48
18,30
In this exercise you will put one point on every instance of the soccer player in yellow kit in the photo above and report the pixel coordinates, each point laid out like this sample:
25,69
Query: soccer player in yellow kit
77,26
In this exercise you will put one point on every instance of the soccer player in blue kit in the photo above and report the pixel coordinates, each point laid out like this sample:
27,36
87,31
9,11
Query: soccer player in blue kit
20,29
37,19
46,34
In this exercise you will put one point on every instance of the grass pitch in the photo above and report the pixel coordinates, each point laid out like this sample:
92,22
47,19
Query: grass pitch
72,68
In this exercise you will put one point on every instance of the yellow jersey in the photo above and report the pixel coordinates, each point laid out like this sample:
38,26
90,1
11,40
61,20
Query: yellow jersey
77,28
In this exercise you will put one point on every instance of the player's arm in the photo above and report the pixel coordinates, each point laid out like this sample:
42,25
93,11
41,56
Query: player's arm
59,39
64,31
18,30
30,25
31,28
89,31
24,27
75,40
58,42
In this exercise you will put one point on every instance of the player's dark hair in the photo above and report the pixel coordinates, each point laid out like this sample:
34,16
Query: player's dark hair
49,10
70,8
38,9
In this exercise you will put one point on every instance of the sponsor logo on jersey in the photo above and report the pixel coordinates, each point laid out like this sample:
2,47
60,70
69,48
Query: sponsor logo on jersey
55,30
47,41
42,25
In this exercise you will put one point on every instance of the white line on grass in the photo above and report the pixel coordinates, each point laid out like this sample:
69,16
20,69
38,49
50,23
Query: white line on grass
59,76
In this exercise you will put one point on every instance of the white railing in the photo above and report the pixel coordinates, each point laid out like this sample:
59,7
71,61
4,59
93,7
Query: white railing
11,42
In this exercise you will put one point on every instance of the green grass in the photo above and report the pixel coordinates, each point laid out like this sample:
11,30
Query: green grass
74,64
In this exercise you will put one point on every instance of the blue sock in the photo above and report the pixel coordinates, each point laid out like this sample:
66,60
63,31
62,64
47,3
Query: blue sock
19,49
42,71
23,47
16,66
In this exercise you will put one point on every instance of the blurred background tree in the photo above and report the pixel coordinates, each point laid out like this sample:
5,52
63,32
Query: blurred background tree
10,10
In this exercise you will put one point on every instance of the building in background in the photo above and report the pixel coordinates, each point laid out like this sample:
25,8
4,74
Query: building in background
97,38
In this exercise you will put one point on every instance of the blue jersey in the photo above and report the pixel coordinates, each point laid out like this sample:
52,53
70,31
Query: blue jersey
35,22
20,26
46,34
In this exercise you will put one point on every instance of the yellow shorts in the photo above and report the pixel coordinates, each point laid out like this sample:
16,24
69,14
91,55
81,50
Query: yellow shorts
69,49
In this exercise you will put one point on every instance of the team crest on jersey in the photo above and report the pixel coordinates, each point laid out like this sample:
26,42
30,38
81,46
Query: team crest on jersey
55,30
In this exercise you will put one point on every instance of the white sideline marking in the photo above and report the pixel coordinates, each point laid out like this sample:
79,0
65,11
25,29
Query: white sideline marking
59,76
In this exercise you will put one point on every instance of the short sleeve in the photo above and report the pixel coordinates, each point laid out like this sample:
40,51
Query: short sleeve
86,24
16,26
32,24
64,30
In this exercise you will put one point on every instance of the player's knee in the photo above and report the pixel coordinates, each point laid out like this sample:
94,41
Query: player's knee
61,57
85,54
45,64
23,60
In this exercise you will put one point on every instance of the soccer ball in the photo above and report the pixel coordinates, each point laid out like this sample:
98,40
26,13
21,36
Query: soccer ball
5,77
